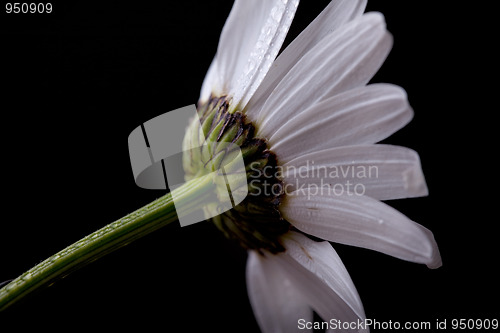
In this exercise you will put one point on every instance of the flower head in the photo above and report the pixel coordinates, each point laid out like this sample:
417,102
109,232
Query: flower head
307,122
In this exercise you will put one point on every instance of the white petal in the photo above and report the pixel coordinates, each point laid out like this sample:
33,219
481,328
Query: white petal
333,16
380,171
347,58
360,221
364,115
249,43
315,269
211,84
322,260
277,305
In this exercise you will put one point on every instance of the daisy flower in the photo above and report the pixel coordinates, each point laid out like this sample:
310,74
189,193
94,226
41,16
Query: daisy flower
306,123
299,117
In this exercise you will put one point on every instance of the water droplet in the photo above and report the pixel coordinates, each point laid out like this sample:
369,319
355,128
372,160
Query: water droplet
275,14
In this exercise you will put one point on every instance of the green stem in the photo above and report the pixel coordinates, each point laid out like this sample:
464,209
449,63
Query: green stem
147,219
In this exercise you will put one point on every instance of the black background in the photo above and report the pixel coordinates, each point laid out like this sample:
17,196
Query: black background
77,81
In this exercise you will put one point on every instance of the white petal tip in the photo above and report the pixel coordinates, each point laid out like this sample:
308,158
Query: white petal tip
415,184
436,263
435,257
375,16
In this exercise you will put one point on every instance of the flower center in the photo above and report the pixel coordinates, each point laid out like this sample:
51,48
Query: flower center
256,222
